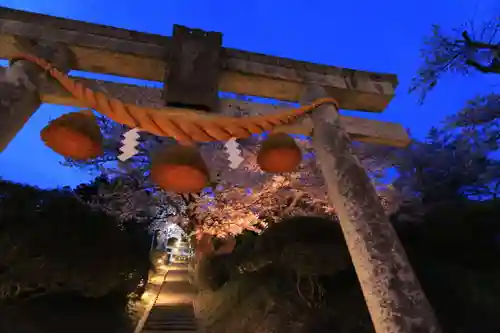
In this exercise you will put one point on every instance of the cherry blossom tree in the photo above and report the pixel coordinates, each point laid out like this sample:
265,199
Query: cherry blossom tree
470,48
166,230
236,199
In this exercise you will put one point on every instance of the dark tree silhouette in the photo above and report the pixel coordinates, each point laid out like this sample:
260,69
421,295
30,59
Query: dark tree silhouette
463,50
52,243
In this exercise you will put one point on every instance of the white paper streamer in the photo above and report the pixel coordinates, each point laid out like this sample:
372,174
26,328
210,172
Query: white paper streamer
234,153
129,144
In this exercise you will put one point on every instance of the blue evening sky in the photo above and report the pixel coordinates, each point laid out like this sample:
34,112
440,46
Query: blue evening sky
380,36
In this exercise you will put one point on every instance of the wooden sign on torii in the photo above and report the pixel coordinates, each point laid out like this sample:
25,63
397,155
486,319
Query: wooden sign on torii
194,67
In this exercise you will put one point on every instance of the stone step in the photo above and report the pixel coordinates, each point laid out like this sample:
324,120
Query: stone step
171,331
178,316
171,318
169,326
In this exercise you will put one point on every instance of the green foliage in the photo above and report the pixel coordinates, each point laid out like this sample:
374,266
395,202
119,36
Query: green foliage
479,119
300,246
306,246
52,243
213,273
454,250
478,111
67,313
447,166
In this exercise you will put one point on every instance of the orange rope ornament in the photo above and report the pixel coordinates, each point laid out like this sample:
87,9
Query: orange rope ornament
186,128
75,135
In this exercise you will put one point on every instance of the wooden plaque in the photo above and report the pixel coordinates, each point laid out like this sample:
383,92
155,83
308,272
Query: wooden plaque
192,79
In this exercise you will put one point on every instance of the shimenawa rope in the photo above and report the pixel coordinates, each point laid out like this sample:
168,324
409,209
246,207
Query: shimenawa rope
186,129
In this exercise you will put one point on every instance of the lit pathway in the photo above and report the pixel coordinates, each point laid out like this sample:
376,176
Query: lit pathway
173,309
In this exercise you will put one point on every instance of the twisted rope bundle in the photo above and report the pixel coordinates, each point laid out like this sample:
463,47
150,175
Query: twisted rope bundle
186,127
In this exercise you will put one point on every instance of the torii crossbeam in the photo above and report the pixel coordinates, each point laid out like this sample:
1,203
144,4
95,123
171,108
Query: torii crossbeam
108,50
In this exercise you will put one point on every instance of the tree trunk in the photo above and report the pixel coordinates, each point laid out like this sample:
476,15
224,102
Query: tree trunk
392,292
19,99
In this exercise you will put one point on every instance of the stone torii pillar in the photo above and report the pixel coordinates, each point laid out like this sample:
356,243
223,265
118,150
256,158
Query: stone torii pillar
392,292
19,87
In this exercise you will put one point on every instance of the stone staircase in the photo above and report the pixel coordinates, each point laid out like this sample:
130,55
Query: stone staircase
173,310
171,318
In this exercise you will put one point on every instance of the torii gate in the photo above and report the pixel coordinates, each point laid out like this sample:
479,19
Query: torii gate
194,67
